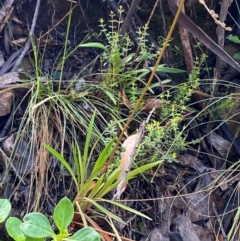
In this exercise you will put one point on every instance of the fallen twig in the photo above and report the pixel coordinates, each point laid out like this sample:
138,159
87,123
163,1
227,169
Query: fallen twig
219,222
221,37
27,45
131,11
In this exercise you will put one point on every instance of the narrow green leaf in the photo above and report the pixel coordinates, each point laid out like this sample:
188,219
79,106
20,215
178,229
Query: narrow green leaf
36,225
164,69
102,158
160,68
122,206
93,45
63,162
85,234
111,96
5,208
82,165
77,161
63,214
99,184
127,59
110,184
104,210
140,90
14,230
234,38
88,138
142,169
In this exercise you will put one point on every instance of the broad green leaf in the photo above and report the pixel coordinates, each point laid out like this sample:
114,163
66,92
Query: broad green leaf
93,45
234,38
14,230
34,239
36,225
63,214
61,236
237,56
85,234
5,208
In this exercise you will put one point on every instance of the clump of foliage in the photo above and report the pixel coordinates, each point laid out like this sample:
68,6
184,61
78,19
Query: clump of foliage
35,225
55,112
91,182
124,67
166,137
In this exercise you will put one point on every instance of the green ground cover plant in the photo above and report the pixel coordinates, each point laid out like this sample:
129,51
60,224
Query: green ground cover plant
54,113
36,226
91,183
57,126
57,113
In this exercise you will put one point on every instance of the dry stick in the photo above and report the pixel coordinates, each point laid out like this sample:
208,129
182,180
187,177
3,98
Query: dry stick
8,161
7,124
219,221
163,19
202,37
27,45
10,62
6,7
146,87
7,18
152,12
186,46
130,13
221,36
117,195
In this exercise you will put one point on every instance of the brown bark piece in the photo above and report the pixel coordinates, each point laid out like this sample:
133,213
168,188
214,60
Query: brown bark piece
185,228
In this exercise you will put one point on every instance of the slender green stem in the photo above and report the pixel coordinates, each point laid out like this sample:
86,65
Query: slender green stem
65,49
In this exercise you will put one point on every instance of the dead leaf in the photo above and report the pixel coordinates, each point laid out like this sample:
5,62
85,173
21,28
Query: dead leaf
8,145
19,42
221,145
6,103
191,161
2,61
149,104
185,228
9,78
128,146
125,99
155,235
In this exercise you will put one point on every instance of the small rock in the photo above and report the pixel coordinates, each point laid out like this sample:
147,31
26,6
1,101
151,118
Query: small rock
6,103
155,235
